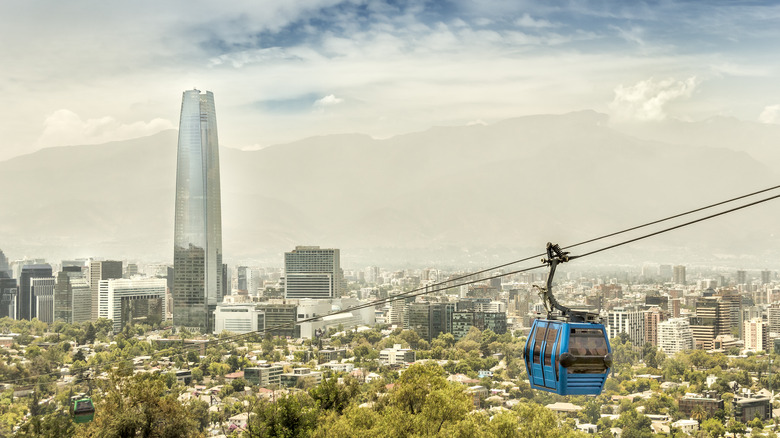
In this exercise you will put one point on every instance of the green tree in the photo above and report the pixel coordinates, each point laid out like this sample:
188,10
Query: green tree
713,427
143,406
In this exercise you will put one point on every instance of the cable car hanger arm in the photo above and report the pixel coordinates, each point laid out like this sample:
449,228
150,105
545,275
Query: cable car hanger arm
556,255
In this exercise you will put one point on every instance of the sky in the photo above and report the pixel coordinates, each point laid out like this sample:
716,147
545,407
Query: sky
88,72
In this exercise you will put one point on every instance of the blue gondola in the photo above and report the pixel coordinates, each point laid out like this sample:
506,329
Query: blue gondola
567,353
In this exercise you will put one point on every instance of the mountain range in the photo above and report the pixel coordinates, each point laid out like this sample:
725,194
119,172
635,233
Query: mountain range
477,194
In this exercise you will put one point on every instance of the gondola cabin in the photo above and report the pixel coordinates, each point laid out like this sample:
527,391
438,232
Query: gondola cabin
568,358
83,410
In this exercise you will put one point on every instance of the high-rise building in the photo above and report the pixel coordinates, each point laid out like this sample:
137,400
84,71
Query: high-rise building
704,324
98,271
730,318
42,292
628,321
5,268
63,293
197,254
675,335
741,277
766,277
757,335
653,317
9,292
312,272
679,274
26,307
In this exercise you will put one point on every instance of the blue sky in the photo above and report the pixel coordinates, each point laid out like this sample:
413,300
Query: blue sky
89,72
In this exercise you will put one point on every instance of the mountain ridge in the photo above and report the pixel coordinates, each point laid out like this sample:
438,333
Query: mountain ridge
513,184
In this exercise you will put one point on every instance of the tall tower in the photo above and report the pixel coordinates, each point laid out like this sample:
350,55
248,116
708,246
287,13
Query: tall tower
197,252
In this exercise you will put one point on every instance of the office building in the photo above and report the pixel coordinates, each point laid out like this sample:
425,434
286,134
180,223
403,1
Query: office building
704,324
5,267
773,317
430,320
730,316
43,297
312,272
397,356
678,275
81,298
675,335
238,318
462,321
63,293
98,271
280,319
197,256
26,307
9,292
127,301
265,375
741,277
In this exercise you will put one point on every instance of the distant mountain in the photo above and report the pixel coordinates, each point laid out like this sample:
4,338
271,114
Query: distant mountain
448,195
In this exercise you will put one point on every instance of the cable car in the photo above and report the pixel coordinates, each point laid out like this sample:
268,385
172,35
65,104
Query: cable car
83,410
568,352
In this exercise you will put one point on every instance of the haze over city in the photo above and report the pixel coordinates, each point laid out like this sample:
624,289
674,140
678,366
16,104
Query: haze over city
679,73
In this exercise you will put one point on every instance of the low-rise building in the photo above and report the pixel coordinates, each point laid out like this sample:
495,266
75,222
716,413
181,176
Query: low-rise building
689,402
264,375
746,409
396,355
301,378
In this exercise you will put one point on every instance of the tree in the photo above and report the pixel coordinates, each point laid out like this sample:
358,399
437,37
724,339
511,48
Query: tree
291,416
140,405
333,396
713,427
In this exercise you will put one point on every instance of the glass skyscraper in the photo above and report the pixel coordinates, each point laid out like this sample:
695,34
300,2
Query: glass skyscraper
197,254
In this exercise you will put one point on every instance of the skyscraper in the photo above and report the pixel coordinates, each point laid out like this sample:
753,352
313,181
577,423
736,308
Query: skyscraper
312,272
26,301
103,270
197,253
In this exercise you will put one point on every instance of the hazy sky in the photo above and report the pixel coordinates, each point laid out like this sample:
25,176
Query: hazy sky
94,71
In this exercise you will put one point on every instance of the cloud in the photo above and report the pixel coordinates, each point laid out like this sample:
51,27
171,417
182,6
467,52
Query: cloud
64,127
327,101
771,114
646,100
528,21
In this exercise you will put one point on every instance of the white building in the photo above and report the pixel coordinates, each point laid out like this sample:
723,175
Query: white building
396,355
629,321
44,298
238,318
81,299
121,300
756,335
675,335
687,427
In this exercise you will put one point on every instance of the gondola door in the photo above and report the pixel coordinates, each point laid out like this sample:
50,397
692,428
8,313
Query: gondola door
536,356
549,355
